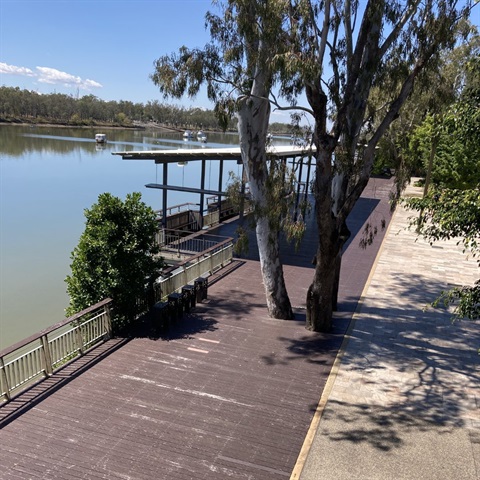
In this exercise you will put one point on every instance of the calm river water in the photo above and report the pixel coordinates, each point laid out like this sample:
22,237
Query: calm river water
48,176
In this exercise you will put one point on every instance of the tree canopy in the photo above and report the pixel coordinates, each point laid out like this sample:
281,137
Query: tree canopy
115,256
18,105
343,53
339,53
239,67
451,206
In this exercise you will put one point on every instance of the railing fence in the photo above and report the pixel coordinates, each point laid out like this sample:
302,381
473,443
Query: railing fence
40,355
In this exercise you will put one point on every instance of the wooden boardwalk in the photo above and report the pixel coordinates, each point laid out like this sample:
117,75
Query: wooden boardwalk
227,393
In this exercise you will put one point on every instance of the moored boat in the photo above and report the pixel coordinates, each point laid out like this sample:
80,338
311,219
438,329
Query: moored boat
201,136
101,138
187,134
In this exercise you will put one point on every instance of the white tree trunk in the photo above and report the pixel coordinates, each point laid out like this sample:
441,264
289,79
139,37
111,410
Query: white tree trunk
253,118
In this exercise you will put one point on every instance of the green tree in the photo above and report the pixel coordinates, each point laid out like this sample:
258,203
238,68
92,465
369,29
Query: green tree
450,208
341,51
115,257
337,52
447,213
456,150
435,91
239,68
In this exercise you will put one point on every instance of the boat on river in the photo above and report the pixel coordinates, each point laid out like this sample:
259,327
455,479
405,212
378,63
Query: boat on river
101,138
201,136
187,134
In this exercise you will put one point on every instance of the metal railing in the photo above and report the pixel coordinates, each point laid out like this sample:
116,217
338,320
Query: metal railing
211,218
181,242
197,266
178,208
40,355
185,217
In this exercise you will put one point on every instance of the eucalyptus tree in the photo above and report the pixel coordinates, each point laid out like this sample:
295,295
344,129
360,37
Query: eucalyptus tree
239,68
336,52
340,50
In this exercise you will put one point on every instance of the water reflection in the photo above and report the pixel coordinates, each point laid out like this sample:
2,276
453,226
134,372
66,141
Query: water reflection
15,141
48,177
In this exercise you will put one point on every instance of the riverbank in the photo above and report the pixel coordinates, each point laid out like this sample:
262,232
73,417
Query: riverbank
160,127
135,126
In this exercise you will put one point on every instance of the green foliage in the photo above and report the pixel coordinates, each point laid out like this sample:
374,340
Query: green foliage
115,257
282,199
282,208
246,48
466,300
447,80
451,208
455,137
450,213
29,107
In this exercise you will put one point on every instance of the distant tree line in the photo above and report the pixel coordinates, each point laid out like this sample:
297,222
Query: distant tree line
17,105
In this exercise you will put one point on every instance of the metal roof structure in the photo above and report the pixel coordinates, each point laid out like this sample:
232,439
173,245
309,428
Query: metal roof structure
224,153
168,156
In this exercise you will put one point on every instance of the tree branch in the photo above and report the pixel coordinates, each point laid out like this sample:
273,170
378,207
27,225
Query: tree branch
398,27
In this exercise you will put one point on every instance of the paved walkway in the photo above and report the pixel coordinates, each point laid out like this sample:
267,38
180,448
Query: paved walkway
403,400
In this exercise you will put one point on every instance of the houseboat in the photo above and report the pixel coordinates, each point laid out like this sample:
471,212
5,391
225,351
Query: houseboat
101,138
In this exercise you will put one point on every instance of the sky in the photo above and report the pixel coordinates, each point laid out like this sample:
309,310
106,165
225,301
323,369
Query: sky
101,47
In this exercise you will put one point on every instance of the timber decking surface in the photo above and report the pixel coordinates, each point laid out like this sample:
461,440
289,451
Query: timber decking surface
227,393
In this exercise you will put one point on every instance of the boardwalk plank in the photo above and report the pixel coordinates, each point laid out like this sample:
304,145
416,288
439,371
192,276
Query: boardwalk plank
227,393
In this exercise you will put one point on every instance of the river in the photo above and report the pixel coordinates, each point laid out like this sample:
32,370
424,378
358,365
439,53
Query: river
48,176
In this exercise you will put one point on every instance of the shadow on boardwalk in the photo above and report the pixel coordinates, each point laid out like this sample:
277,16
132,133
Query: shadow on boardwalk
227,392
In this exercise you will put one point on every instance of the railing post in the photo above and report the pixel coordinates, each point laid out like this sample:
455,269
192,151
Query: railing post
108,321
78,335
3,376
47,357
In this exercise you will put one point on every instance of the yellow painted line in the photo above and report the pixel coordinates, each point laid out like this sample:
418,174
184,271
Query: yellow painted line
307,443
197,350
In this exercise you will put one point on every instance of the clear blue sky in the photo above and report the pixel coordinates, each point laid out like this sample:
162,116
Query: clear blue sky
103,47
100,47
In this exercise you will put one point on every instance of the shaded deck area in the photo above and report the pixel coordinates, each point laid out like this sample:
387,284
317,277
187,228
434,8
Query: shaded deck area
227,393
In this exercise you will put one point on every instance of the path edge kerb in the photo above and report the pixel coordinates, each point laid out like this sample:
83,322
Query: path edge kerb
307,443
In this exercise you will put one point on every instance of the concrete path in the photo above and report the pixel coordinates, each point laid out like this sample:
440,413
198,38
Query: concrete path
403,398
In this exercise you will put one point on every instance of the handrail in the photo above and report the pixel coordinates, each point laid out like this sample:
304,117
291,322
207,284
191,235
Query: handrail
182,207
213,259
187,242
225,244
41,354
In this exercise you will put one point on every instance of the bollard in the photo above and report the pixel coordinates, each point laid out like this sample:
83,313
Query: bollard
160,317
176,307
189,299
201,287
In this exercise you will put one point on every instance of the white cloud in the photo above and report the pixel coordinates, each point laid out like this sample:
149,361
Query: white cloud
14,70
51,76
92,83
